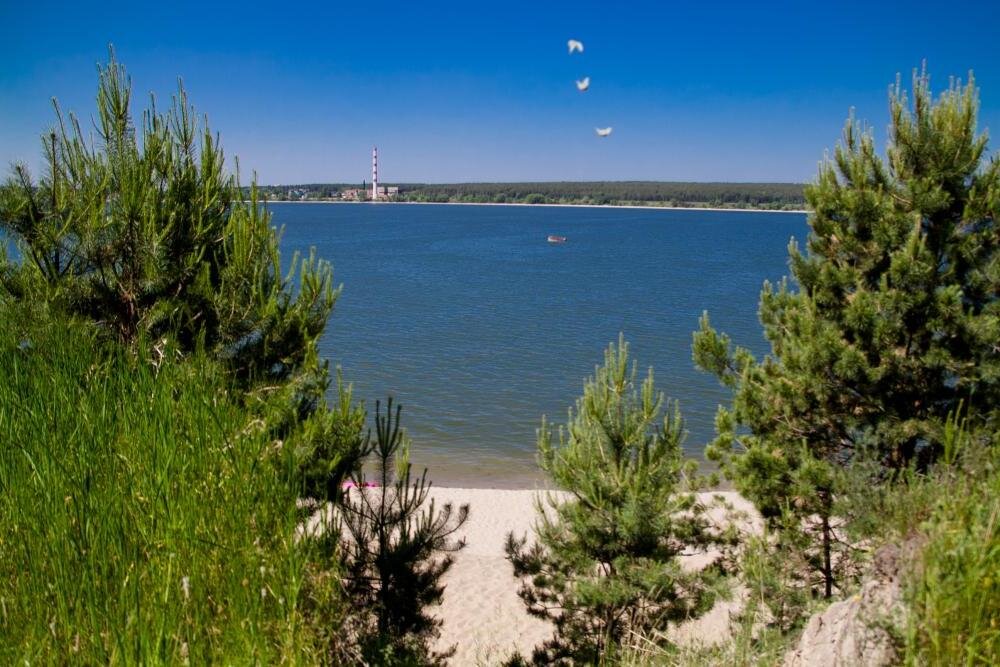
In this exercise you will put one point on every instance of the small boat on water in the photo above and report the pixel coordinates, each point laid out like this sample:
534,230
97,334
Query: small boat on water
556,239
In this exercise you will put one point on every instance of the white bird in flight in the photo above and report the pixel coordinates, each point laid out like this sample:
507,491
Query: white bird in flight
583,84
575,45
602,131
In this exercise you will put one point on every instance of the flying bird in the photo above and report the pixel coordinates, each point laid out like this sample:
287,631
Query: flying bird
575,45
583,84
602,131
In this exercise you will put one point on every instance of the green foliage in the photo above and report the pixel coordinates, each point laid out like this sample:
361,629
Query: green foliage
953,590
394,547
145,516
893,326
144,233
956,601
606,561
949,519
158,432
754,640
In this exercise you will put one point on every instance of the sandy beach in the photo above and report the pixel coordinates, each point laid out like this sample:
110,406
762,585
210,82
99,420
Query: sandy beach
481,612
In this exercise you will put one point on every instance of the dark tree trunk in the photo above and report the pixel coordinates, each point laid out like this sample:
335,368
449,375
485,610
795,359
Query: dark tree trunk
827,564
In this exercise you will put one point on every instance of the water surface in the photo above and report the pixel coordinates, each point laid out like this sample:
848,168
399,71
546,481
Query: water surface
478,326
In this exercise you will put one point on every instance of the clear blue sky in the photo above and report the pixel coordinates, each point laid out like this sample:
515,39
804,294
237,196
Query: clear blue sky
454,91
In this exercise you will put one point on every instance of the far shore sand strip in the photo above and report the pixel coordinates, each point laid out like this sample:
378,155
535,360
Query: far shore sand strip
472,203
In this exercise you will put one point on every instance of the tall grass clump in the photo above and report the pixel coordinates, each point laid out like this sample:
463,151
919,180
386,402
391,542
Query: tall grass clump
948,520
954,591
144,516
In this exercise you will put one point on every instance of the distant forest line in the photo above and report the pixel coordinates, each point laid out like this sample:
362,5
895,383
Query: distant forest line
773,196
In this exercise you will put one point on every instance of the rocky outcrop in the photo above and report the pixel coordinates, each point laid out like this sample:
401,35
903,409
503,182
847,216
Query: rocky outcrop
856,632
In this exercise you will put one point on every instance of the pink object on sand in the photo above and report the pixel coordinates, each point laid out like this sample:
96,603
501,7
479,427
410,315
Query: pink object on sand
351,485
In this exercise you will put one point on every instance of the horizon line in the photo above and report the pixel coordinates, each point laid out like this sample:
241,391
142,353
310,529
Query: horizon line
531,182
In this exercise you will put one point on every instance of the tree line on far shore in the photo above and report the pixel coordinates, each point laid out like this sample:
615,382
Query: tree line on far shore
768,196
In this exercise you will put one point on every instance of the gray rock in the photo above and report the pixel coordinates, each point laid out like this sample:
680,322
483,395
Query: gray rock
856,632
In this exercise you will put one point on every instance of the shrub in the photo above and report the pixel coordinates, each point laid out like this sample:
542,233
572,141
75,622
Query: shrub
395,546
607,558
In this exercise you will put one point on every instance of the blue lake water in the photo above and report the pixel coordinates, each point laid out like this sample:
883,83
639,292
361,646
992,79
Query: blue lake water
478,326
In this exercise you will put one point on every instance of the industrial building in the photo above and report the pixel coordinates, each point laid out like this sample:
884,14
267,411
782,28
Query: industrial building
377,192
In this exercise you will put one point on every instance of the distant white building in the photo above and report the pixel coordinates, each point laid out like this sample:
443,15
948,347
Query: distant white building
384,192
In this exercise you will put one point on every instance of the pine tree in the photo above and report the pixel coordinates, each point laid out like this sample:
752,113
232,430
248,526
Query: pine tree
889,325
606,561
396,546
145,233
141,231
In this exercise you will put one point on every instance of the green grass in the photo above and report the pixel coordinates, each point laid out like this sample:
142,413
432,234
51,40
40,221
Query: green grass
950,520
144,516
954,594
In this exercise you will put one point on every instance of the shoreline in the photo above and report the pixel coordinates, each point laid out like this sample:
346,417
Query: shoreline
509,471
609,206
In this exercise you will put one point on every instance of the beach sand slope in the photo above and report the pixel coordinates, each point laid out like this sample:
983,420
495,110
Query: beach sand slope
482,615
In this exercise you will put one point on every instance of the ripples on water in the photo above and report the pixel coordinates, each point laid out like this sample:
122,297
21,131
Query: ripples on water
478,326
